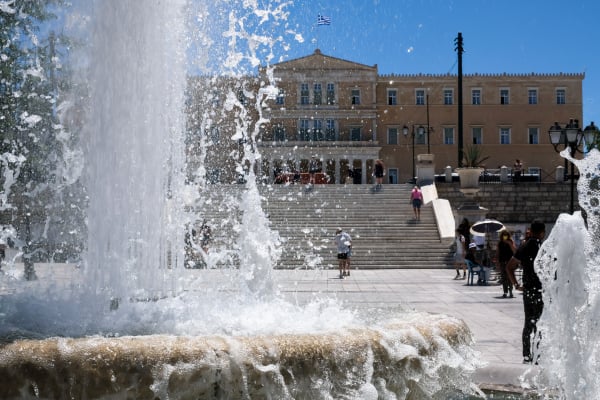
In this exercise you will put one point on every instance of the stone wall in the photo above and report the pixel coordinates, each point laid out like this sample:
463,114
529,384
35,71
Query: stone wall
516,203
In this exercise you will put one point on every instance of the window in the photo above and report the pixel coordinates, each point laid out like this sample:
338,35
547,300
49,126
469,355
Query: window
561,96
533,136
477,135
215,99
421,136
355,96
213,176
504,96
242,97
392,95
330,133
392,136
504,135
213,133
330,93
420,97
355,134
448,96
532,96
280,97
448,135
317,94
317,130
279,133
476,97
304,93
304,130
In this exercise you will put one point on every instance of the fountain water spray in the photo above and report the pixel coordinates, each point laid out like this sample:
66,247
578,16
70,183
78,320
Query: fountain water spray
569,267
170,331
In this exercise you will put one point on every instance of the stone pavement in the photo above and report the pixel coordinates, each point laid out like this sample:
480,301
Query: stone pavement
495,322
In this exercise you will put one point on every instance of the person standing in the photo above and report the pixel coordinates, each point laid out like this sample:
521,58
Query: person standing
506,249
379,173
343,242
517,170
416,198
459,254
533,304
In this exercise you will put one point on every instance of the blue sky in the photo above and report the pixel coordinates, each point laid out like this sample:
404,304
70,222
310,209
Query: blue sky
417,36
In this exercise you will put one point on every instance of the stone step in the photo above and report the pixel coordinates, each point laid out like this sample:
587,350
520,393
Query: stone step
384,232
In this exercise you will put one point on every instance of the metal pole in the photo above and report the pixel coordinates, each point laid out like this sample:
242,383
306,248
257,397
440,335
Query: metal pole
459,49
413,180
428,147
572,206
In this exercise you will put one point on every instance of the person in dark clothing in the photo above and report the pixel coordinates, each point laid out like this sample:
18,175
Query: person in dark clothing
533,304
506,249
465,229
379,173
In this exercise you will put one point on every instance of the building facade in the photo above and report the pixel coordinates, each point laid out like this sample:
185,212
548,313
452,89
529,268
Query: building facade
348,115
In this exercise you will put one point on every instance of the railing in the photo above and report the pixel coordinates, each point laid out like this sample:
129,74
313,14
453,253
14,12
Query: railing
317,143
494,176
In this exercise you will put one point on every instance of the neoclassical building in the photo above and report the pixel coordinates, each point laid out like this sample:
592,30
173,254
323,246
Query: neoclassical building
347,115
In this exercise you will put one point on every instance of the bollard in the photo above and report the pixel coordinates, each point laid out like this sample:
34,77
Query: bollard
448,172
504,174
560,174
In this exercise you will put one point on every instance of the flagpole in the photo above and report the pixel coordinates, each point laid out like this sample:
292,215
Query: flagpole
316,28
321,20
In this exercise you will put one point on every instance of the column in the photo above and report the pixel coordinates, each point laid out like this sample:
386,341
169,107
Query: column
363,163
338,178
259,170
271,170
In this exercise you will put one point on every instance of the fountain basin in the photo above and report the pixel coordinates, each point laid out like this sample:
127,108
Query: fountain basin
403,357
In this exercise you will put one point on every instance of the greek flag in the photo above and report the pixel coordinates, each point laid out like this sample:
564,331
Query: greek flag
323,20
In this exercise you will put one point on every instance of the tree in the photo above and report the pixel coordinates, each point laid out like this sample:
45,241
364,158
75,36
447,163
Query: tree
30,151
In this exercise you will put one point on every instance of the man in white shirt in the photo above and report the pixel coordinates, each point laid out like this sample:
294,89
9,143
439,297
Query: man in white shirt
343,241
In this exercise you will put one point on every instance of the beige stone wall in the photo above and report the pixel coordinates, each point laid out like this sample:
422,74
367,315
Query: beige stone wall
490,116
373,116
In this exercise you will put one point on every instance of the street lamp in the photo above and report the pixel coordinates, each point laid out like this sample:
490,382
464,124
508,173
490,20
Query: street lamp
420,130
571,136
428,127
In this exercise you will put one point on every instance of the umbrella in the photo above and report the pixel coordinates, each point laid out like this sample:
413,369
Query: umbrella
486,226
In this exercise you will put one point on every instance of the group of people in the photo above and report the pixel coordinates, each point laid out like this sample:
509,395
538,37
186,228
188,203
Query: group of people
510,258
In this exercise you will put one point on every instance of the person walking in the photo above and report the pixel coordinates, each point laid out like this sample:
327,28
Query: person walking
506,249
343,242
459,254
379,174
533,304
416,198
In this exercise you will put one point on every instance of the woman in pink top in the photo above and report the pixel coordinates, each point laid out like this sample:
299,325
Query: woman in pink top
416,198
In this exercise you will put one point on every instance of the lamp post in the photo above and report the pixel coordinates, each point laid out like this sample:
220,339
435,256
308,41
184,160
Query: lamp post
571,136
428,128
419,130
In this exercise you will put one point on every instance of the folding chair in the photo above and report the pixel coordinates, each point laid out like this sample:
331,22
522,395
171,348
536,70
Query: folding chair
474,269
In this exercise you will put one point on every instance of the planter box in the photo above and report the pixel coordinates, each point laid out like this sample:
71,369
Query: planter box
425,158
469,177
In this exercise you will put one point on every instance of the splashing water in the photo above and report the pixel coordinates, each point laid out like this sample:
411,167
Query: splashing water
134,282
569,268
